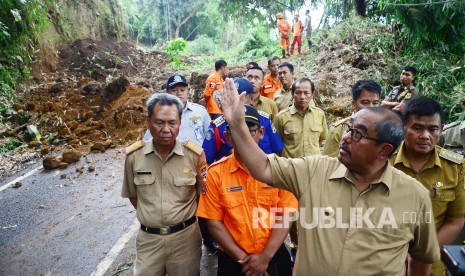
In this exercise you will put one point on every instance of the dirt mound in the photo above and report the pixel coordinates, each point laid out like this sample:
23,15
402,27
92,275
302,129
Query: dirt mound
101,59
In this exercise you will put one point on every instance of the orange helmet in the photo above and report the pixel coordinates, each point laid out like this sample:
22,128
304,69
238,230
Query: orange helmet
279,16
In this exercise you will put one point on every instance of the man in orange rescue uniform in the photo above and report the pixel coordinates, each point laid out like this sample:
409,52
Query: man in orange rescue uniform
271,82
245,216
297,28
284,30
213,85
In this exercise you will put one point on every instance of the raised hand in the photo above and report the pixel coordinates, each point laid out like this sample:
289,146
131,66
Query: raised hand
232,103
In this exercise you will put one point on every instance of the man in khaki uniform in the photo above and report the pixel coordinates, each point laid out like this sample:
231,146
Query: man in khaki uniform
283,97
439,170
355,210
162,179
255,75
365,93
302,127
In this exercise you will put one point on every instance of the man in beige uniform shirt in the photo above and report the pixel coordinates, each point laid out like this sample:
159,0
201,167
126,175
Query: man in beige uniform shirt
358,214
439,170
301,126
365,93
255,75
162,179
283,97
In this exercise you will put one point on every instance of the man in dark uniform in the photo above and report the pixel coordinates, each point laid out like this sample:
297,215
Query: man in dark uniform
401,94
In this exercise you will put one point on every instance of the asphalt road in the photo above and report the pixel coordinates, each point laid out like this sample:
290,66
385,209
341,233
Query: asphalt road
71,222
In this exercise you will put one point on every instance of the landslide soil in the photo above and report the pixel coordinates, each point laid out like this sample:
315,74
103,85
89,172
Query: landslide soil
94,92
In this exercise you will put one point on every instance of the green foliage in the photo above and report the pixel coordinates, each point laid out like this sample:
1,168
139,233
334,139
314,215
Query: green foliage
257,44
20,23
202,45
429,25
10,145
174,49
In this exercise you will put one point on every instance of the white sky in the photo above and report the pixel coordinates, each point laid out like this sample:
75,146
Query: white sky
316,14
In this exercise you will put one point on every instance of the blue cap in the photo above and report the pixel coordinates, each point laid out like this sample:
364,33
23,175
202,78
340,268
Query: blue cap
176,79
243,85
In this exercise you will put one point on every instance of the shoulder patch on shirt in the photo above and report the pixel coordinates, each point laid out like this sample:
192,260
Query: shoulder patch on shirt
451,125
341,121
194,147
264,114
451,156
219,121
132,148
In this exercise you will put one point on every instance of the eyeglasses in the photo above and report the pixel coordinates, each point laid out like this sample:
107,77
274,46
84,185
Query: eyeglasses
356,134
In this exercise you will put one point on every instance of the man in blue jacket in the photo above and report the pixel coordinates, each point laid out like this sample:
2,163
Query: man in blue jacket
215,145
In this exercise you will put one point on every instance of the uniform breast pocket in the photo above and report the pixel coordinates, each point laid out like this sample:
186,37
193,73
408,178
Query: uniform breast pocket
442,195
144,181
184,188
292,134
234,208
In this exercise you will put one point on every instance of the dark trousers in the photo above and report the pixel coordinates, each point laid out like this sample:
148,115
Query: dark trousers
206,236
280,264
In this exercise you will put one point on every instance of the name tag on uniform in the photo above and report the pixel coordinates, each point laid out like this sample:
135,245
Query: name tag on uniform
142,173
268,86
233,189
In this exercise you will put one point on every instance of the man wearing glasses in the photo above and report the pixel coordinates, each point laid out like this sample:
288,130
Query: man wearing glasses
365,208
232,202
439,170
365,93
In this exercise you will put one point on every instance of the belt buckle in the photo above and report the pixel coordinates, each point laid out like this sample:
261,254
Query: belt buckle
165,230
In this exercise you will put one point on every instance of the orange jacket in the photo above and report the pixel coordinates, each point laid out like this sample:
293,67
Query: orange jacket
283,27
213,83
233,196
270,86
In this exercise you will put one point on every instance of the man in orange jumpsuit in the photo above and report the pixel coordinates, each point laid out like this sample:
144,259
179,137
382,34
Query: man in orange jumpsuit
284,31
213,85
297,28
271,82
246,217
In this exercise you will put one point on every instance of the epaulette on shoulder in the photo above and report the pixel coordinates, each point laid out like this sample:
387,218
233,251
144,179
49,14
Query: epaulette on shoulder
194,147
317,108
451,156
341,121
198,105
219,121
283,111
264,114
132,148
451,125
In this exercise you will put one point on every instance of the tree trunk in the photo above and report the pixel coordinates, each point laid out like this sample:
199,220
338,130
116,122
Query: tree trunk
180,23
360,8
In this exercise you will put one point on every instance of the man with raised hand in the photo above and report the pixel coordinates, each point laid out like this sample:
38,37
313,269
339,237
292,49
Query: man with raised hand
359,201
